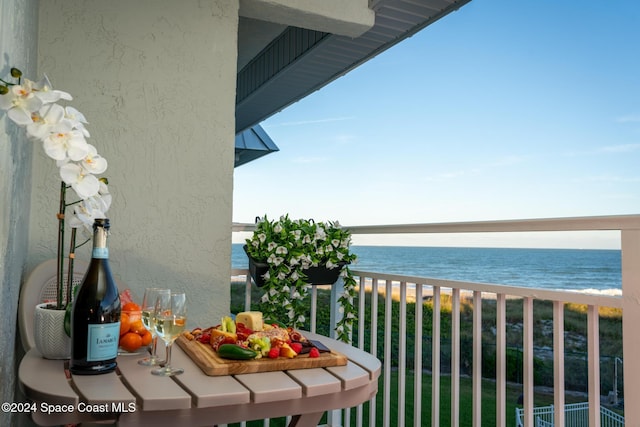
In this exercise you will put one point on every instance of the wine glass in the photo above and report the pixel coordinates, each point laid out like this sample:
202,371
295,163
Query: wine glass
148,320
171,317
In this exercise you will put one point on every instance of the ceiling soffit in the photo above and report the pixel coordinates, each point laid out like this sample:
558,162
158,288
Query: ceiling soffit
300,61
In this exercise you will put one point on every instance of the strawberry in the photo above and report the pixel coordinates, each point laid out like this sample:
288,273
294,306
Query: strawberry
314,352
274,353
296,346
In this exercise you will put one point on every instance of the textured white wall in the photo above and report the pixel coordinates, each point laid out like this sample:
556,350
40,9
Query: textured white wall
18,45
156,80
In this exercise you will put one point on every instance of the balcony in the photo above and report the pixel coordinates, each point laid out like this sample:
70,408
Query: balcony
438,347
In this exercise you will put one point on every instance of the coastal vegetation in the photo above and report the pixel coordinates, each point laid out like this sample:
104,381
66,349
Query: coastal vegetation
576,367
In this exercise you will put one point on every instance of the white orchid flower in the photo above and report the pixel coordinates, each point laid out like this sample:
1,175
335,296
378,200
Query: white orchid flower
277,228
86,212
301,319
20,103
65,142
44,120
83,183
104,189
271,246
282,275
281,250
43,89
93,162
295,276
77,120
262,237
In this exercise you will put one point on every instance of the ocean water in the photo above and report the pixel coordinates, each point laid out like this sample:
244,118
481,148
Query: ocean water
581,270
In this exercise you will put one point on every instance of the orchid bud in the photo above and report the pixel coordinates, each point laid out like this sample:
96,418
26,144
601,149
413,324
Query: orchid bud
3,89
15,73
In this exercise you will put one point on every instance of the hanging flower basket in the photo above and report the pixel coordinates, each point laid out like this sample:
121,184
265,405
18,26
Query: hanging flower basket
320,275
257,269
287,257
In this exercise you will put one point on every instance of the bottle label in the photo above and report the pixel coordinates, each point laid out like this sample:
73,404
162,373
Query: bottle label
102,341
102,253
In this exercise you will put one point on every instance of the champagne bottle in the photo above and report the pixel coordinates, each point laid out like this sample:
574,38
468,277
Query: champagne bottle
95,317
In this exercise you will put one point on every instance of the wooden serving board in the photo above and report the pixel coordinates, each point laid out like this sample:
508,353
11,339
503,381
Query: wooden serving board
212,364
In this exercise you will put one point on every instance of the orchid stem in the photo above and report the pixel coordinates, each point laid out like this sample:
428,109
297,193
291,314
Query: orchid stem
72,257
60,265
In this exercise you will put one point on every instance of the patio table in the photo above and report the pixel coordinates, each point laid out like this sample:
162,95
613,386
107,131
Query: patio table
134,397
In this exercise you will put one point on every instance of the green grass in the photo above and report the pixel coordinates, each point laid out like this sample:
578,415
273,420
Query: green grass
466,401
575,356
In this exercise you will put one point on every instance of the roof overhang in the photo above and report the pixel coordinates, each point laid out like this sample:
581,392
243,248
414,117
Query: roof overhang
251,144
280,64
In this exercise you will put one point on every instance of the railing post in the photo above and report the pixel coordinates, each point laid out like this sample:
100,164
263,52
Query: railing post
335,315
630,320
337,289
593,349
477,360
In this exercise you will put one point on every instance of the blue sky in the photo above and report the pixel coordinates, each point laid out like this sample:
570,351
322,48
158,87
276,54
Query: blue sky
502,110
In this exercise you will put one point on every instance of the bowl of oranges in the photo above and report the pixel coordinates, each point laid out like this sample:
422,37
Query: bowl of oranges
134,337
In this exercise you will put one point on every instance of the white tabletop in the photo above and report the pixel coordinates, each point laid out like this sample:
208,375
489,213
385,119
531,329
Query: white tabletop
134,397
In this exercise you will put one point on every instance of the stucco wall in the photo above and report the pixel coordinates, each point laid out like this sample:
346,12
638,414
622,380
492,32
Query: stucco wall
156,80
18,45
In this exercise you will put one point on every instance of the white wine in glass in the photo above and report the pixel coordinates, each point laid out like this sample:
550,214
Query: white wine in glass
170,321
148,320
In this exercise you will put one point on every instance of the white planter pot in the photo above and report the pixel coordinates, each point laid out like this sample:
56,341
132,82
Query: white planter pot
51,340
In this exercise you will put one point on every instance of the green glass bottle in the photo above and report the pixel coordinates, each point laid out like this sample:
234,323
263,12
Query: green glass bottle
95,316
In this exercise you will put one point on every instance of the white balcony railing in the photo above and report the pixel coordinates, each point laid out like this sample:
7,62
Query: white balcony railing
629,302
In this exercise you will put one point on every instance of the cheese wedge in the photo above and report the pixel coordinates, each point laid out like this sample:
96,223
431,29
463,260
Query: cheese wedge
250,319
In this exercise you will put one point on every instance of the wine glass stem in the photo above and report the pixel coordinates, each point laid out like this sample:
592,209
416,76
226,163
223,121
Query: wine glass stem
167,363
154,346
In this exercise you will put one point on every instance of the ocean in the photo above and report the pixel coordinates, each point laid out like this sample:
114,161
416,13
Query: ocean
583,270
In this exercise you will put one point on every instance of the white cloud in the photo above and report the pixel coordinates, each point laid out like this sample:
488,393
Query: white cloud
310,122
306,160
607,178
622,148
630,118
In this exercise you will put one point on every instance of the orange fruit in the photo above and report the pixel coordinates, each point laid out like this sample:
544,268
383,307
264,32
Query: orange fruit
137,327
131,306
131,341
146,338
124,323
